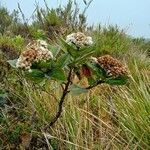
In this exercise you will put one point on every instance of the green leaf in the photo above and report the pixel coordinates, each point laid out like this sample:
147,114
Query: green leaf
58,74
91,80
75,89
12,62
54,49
63,60
86,49
73,51
83,57
121,80
36,75
43,65
98,71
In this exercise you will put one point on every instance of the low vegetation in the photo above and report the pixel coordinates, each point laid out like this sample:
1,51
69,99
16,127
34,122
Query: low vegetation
62,98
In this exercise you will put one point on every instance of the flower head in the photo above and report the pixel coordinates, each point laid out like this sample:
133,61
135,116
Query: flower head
26,58
112,66
79,39
35,51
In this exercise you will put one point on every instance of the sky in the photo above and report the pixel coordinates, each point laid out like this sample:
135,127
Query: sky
131,15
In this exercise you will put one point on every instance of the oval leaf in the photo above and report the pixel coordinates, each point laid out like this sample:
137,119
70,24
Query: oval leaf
36,75
58,74
12,62
121,80
75,89
63,60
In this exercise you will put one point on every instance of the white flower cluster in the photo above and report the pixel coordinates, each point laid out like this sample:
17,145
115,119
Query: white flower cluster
42,51
79,39
35,52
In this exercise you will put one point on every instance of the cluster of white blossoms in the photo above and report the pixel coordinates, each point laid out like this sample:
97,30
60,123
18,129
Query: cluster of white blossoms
79,39
35,51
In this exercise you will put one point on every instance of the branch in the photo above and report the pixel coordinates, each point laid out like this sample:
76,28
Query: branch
62,99
94,85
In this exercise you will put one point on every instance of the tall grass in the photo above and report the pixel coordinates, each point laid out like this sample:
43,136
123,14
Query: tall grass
105,118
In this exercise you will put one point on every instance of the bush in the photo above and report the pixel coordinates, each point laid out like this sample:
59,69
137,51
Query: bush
99,113
11,47
111,40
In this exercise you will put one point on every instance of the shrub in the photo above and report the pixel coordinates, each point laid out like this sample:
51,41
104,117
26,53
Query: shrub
11,46
62,67
111,40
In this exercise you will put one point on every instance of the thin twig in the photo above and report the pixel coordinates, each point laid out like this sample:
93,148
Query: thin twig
94,85
62,99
